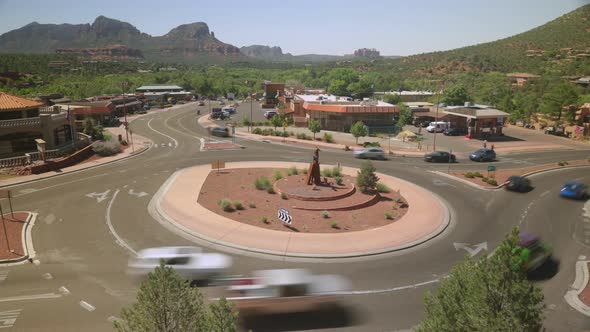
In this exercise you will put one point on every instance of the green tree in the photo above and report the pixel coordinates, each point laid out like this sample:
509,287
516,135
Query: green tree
167,302
277,121
405,115
366,178
314,126
393,99
358,130
486,294
456,95
338,88
360,89
558,97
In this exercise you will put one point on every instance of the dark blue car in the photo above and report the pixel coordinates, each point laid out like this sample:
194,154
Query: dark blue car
483,155
575,190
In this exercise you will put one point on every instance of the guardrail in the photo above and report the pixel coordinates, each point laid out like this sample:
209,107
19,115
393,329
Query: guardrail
82,142
26,122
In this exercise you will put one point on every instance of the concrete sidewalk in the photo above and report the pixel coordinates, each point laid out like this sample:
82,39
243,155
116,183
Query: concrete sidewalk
176,203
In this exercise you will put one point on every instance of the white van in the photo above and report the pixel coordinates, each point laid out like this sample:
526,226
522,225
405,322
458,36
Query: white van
438,126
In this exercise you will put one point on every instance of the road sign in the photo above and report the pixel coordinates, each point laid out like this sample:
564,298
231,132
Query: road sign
491,168
285,217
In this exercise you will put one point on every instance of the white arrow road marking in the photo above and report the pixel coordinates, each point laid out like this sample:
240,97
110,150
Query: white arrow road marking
87,306
8,318
47,276
3,275
139,194
472,251
64,290
27,191
169,144
440,183
99,196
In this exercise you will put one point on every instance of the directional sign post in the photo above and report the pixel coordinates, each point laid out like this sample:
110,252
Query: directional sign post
217,164
491,169
284,216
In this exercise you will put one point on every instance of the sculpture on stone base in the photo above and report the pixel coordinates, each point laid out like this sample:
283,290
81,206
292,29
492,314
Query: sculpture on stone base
313,174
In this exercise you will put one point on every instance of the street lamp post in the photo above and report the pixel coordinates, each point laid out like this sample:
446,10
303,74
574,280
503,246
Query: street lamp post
124,86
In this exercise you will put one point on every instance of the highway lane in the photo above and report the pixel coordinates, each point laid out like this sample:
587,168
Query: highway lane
78,250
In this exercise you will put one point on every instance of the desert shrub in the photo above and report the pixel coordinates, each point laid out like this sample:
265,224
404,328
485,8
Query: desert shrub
238,205
257,131
328,138
278,175
292,171
336,171
106,148
304,170
262,183
484,179
478,175
334,225
325,214
382,188
265,220
300,136
270,190
371,145
284,196
327,172
225,205
124,142
388,216
469,175
492,182
366,178
252,205
562,163
394,207
291,133
338,179
346,148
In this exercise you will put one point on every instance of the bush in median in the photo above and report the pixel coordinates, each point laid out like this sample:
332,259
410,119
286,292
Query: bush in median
106,148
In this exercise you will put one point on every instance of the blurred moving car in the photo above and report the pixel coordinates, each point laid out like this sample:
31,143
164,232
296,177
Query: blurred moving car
219,131
189,262
286,290
219,114
575,190
483,155
369,153
534,252
518,183
269,114
201,103
229,109
454,132
440,157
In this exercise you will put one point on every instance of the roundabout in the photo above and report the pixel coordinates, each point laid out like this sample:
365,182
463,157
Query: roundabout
151,200
178,203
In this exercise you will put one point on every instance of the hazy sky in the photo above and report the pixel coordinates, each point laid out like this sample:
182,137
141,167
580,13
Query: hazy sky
394,27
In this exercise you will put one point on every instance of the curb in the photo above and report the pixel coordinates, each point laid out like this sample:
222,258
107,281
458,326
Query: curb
27,241
156,211
581,281
553,169
145,149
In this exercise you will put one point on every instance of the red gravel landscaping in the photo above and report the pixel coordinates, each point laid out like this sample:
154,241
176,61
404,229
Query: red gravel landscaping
238,185
14,228
501,175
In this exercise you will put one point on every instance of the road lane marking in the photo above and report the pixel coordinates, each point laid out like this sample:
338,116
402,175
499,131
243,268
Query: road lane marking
99,196
161,133
118,239
64,290
472,251
138,194
87,306
8,318
30,297
113,319
47,276
53,186
545,193
389,290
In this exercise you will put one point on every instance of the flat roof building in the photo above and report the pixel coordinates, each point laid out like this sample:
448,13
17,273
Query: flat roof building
159,88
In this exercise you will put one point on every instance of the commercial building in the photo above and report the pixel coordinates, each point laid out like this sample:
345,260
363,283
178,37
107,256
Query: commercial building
479,121
102,111
520,79
23,120
340,113
159,88
408,96
272,92
162,92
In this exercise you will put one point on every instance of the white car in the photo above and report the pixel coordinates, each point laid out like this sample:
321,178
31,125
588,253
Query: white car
189,262
286,290
370,153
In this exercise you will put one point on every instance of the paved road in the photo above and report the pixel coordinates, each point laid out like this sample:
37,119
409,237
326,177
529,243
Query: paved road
80,281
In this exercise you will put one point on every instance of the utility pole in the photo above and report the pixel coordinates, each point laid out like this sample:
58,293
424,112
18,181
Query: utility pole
124,86
436,117
72,127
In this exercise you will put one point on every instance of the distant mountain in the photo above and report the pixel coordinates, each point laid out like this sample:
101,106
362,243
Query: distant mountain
263,51
562,45
185,42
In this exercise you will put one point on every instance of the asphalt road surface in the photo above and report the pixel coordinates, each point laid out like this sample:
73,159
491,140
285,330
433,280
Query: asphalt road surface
79,282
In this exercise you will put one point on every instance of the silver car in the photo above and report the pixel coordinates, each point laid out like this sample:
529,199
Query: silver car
189,262
370,153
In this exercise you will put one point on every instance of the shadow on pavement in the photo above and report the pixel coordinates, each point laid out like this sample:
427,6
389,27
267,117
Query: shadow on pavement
545,272
333,317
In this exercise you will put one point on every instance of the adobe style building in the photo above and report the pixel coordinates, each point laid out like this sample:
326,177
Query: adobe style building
102,111
409,96
340,113
272,92
23,120
520,79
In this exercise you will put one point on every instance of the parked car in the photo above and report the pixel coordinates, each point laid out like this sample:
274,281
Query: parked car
439,157
483,155
518,183
189,262
201,103
454,132
229,109
221,115
285,290
219,131
575,190
438,126
370,153
533,252
269,114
